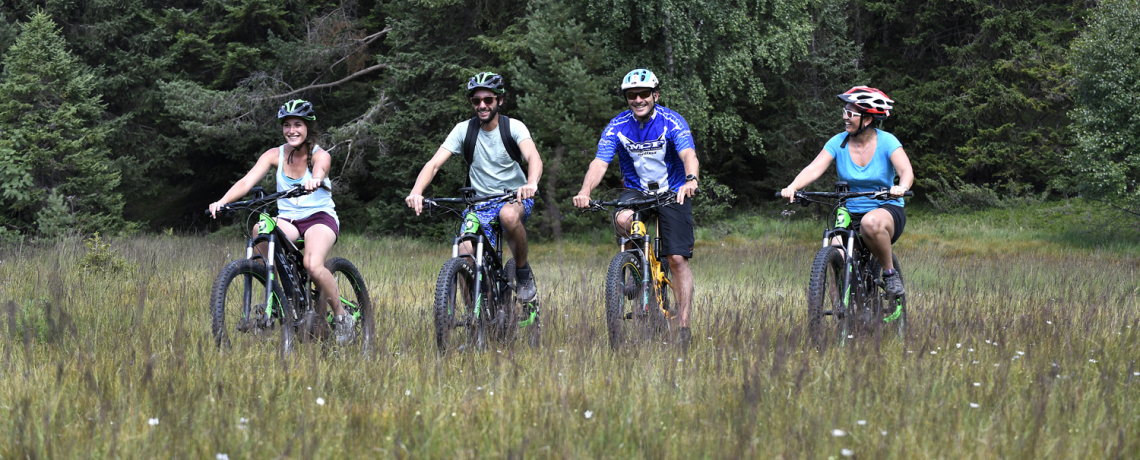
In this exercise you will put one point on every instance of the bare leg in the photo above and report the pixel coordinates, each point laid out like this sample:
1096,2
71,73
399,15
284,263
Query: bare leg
290,231
682,287
319,240
510,217
877,227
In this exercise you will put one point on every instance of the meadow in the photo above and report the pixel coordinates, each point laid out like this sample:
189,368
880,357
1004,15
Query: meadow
1018,346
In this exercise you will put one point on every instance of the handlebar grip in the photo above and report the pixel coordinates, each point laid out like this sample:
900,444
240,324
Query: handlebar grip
908,193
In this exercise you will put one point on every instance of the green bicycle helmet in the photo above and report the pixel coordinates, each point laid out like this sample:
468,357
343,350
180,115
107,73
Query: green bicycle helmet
297,108
486,80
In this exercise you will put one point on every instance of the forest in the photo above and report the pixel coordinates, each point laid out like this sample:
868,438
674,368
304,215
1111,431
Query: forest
125,116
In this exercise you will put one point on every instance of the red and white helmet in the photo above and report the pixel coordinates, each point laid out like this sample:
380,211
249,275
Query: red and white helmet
869,100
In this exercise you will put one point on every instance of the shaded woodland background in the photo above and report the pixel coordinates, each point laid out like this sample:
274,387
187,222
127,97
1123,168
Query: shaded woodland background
131,115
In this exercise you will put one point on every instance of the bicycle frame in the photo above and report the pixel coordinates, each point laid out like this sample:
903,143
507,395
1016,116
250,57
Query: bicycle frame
489,269
650,262
851,243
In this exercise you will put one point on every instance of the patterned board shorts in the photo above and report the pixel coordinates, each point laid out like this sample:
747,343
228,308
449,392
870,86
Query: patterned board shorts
488,212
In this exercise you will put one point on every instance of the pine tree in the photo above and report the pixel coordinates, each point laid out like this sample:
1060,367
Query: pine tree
53,157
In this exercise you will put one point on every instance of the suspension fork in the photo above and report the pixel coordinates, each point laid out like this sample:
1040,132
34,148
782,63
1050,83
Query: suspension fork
849,278
270,267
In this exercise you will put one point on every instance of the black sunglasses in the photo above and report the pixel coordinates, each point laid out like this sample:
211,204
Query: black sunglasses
486,100
645,94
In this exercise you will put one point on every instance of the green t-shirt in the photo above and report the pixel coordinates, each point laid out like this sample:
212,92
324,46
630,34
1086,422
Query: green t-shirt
492,169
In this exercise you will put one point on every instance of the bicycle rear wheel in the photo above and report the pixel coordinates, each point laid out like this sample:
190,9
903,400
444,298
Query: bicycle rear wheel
891,311
825,296
354,296
238,309
455,321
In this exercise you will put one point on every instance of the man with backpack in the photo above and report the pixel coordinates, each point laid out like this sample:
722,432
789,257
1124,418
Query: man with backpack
493,146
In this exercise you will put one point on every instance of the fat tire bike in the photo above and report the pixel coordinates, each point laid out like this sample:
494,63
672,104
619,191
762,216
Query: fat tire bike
638,280
845,280
263,296
475,294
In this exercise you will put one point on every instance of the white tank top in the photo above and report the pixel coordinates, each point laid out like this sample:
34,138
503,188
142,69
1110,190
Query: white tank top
305,205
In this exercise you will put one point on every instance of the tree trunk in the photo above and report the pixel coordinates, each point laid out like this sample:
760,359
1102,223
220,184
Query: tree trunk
550,174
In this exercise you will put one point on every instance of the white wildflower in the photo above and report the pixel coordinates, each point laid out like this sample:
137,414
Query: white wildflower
152,422
589,414
320,401
838,433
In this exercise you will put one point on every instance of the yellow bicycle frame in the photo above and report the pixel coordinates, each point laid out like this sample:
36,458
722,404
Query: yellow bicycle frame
656,274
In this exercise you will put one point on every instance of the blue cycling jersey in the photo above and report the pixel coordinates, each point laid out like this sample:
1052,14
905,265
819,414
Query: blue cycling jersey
648,153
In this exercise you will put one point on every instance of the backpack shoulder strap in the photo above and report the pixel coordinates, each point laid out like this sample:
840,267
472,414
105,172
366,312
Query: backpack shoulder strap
509,141
469,145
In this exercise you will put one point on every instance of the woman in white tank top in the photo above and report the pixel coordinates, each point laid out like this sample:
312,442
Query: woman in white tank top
301,161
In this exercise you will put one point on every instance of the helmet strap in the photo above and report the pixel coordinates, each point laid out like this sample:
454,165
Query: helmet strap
862,128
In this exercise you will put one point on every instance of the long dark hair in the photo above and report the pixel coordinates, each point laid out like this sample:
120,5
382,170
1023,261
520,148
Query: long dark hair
310,143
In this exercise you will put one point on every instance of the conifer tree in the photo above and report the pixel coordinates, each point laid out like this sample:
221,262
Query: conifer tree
54,167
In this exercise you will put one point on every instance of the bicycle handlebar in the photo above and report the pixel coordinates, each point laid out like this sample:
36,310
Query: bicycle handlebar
248,204
661,199
878,195
508,193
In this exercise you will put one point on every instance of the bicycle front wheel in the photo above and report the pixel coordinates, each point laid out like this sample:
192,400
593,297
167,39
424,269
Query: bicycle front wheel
626,298
455,321
239,310
825,295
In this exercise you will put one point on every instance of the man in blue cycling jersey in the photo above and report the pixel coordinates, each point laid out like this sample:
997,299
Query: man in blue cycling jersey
655,153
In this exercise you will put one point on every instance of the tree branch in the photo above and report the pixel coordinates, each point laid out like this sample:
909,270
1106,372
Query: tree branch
328,85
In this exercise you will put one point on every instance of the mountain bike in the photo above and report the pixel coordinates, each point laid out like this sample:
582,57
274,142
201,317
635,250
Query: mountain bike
638,280
264,295
845,280
475,294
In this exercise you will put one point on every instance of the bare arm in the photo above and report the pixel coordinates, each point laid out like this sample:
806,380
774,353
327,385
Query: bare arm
321,163
593,177
905,171
692,166
808,175
415,199
534,169
243,185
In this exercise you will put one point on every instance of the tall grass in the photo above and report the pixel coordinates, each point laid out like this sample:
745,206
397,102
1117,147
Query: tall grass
1020,350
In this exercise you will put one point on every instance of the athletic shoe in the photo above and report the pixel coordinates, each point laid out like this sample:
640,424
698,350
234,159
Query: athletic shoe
894,282
527,290
345,328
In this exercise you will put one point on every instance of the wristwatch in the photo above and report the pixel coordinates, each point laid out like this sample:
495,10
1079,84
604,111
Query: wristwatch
690,177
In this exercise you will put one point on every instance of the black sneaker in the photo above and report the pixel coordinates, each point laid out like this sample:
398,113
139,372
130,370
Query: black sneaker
894,282
345,326
527,290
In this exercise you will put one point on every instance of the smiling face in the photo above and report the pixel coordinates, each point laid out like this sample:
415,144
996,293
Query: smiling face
853,118
483,110
295,131
641,101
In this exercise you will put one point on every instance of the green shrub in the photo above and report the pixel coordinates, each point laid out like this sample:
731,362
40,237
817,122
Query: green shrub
101,257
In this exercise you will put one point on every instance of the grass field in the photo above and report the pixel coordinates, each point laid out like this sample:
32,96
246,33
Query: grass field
1018,347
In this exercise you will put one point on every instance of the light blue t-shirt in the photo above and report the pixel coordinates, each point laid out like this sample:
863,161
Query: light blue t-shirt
492,169
306,205
878,173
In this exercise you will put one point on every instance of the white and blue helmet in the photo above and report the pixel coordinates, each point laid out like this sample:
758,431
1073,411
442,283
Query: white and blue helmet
639,78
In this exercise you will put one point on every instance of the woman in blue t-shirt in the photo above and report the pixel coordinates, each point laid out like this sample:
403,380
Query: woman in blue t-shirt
867,158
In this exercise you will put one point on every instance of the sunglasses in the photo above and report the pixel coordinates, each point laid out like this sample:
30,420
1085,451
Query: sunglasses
645,94
485,100
850,114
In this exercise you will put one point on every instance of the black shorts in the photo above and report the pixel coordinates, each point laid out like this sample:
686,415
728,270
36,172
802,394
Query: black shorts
897,213
674,224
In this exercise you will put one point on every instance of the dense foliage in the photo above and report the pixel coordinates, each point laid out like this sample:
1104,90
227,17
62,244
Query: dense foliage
1106,59
179,96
